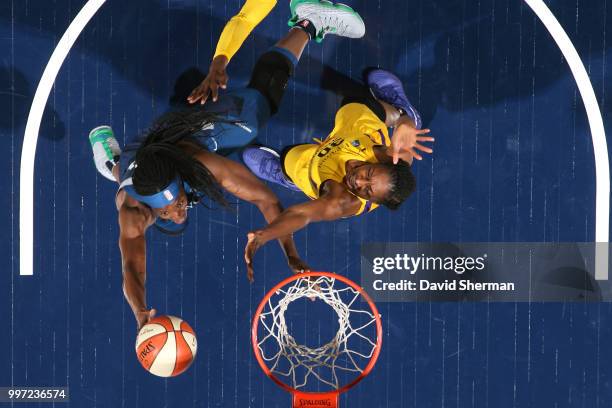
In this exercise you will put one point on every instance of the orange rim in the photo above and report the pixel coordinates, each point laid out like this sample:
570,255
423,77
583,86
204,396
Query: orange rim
255,325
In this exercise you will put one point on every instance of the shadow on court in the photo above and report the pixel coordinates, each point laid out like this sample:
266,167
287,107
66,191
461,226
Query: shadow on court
16,95
452,56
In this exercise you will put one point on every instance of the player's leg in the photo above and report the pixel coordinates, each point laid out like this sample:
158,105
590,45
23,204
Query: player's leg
384,95
388,88
106,152
270,76
385,112
311,19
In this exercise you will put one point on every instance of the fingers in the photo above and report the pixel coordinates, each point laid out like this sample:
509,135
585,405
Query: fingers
423,148
249,264
194,96
204,97
217,80
205,92
415,154
248,256
249,250
396,152
425,139
222,81
214,91
200,93
250,274
209,87
423,131
143,317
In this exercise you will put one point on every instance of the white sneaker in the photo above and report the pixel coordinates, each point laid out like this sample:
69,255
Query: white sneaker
106,150
328,18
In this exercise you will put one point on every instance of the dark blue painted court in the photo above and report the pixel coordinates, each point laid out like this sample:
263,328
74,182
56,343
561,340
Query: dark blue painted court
513,161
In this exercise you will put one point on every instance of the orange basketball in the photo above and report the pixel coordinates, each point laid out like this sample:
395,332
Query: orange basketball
166,346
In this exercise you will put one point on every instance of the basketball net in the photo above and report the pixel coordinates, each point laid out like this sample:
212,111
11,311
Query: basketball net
349,353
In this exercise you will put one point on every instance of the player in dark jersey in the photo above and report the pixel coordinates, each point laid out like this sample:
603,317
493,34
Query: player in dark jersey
179,161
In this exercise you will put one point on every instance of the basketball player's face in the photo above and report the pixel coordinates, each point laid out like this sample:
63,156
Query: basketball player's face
369,181
176,211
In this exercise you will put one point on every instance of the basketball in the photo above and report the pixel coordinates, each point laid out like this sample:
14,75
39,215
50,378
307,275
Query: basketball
166,346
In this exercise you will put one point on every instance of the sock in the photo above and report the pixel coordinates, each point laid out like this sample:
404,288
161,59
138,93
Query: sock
308,27
112,163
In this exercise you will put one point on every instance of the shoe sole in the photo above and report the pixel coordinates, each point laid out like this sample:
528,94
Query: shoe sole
92,132
267,149
375,72
95,138
294,3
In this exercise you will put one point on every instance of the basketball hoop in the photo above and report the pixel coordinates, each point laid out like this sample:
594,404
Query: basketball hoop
295,367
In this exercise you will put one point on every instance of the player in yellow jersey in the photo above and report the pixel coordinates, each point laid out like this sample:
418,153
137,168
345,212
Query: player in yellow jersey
337,19
357,168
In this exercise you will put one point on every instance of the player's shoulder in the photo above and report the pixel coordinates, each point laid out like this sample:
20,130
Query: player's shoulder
134,217
338,195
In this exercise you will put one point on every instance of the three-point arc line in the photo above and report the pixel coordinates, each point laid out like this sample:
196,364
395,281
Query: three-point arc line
30,138
600,147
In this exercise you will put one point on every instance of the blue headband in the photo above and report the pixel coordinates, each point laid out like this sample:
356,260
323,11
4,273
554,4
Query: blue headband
158,200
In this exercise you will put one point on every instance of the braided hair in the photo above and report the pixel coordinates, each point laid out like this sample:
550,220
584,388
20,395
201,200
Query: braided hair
403,184
160,159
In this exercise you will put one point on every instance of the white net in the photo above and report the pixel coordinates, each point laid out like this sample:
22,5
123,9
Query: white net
333,364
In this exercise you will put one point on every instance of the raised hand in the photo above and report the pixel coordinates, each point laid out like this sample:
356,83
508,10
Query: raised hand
216,78
406,140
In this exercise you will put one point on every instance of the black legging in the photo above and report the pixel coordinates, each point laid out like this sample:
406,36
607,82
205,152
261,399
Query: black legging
270,76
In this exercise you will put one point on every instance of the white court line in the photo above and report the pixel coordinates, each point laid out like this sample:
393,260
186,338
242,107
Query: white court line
28,152
602,166
600,147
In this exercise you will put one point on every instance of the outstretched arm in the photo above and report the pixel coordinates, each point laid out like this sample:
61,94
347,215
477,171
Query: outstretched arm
132,224
335,202
239,181
233,35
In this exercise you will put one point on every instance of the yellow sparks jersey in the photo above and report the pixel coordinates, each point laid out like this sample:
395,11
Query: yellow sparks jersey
357,130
